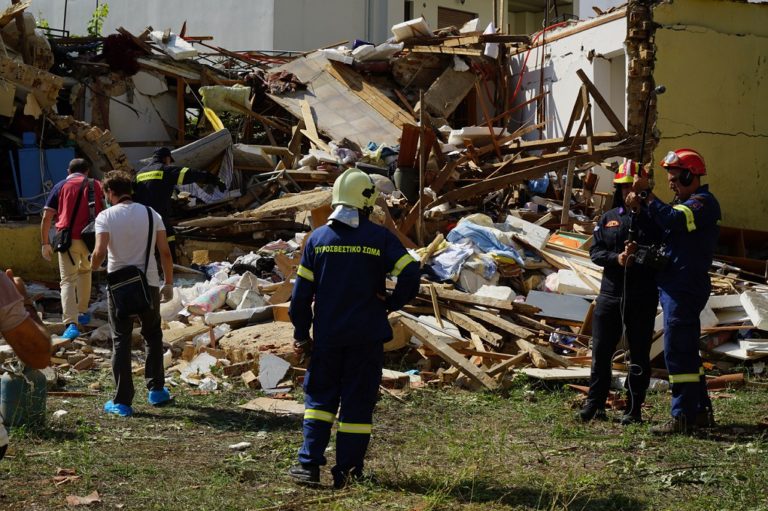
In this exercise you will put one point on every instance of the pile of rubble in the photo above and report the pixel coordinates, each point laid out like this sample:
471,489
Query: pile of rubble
499,221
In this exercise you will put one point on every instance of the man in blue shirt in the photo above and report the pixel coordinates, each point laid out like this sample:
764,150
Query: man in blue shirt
691,229
343,268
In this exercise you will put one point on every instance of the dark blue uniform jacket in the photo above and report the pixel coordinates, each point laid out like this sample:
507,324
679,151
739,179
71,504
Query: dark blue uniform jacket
154,186
691,230
344,270
611,231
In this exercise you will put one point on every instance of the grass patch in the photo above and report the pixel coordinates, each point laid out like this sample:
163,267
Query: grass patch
440,450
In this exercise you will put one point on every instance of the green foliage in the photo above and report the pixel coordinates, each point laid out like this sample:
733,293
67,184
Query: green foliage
96,22
42,22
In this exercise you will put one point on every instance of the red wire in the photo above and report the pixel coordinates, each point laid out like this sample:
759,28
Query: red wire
528,54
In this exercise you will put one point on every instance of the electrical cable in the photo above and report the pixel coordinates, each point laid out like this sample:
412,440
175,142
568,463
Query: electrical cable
660,89
633,369
528,54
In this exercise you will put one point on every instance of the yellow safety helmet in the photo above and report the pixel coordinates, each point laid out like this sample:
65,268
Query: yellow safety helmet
355,189
627,172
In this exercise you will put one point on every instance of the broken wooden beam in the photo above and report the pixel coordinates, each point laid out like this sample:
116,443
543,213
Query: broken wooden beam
450,355
603,104
448,50
505,365
504,181
500,323
461,297
545,352
472,326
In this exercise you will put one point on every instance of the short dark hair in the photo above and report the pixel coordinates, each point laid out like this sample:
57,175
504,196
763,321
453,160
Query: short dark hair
161,153
118,182
78,165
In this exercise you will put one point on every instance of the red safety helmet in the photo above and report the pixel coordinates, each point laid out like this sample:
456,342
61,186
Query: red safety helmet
627,172
687,159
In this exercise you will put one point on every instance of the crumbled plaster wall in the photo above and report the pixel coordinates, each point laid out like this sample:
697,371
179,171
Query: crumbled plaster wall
599,51
712,56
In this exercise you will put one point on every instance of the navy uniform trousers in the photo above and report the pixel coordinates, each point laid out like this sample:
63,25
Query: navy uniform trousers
607,330
343,379
682,329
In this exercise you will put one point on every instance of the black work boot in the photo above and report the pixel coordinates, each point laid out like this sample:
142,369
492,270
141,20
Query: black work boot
679,425
592,411
304,473
633,411
705,419
630,418
343,478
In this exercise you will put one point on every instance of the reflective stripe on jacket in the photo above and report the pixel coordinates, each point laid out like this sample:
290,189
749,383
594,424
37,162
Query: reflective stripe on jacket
344,270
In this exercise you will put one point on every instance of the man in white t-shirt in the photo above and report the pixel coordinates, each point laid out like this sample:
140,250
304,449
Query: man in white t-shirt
122,231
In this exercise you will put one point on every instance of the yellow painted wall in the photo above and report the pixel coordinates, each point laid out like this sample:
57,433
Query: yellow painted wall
712,56
20,251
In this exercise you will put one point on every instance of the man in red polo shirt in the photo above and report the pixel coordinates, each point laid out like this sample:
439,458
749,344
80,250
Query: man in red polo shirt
74,266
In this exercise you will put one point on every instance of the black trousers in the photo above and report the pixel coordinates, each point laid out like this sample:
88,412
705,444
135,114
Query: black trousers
152,333
639,316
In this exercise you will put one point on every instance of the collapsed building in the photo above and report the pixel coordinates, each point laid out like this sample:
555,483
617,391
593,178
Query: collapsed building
508,141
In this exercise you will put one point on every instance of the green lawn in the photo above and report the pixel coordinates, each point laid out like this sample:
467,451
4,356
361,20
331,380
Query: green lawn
441,449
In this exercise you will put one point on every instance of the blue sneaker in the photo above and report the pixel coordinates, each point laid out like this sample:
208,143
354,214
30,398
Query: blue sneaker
118,409
159,397
71,332
83,318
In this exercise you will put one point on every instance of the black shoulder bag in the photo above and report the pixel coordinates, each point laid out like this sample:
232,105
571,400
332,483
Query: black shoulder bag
128,287
88,234
62,241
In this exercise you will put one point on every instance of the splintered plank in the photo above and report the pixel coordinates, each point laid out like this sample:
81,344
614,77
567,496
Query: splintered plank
545,352
462,40
507,364
516,172
500,323
603,104
370,94
309,122
449,354
484,301
437,185
470,325
559,373
12,11
275,406
448,50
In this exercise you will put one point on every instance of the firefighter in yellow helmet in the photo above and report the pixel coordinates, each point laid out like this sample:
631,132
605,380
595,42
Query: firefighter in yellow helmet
343,269
627,301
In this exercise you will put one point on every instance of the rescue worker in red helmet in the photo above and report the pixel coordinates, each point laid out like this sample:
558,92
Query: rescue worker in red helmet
627,301
343,269
691,229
